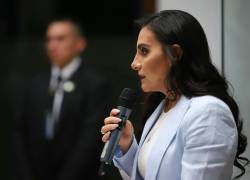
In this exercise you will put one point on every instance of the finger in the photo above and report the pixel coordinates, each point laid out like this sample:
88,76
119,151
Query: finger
128,125
108,127
106,137
114,112
111,120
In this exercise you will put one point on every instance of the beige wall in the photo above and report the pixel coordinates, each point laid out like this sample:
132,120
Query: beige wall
208,13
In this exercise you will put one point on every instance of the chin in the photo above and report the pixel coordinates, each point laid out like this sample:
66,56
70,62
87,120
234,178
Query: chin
145,89
58,62
148,89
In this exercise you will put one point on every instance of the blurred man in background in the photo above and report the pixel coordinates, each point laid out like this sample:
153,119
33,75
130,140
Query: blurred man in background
57,134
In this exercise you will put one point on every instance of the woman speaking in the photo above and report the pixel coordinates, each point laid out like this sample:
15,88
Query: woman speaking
192,128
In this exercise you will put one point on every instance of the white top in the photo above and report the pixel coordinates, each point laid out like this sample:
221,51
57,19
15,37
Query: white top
149,143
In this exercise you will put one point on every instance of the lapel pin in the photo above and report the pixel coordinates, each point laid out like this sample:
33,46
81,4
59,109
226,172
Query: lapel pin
69,86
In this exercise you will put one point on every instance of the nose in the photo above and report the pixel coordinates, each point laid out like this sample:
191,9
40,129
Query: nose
136,65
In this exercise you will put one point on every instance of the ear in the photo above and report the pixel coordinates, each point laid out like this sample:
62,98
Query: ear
81,44
177,51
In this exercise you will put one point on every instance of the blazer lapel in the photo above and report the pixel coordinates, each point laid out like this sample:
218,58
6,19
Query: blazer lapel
147,127
151,120
167,133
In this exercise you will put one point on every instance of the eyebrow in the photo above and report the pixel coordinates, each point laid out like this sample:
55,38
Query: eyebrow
142,45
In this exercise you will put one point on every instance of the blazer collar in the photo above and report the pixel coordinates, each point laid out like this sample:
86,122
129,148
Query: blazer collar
167,133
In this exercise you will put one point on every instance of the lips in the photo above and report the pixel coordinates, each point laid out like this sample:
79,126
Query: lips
141,77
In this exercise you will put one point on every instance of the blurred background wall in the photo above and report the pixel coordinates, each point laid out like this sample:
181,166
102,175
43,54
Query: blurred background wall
109,28
237,58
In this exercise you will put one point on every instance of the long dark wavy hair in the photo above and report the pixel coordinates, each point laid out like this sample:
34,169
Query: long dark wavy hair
193,74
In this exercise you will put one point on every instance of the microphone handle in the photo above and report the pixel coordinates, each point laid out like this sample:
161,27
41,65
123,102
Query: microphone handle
111,145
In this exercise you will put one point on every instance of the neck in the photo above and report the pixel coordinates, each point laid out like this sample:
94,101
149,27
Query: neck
61,66
171,103
65,63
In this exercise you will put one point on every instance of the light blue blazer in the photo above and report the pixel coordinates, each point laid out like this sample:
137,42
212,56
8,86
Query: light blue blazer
198,141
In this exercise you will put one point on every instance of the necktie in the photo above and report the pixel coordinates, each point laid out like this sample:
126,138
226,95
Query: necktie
52,114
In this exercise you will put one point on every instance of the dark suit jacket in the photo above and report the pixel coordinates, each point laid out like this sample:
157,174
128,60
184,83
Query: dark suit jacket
74,152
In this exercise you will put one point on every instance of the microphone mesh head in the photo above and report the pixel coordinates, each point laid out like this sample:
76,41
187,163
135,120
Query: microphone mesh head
127,98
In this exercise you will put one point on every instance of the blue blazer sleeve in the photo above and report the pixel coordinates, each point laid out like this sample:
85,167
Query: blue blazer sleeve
125,162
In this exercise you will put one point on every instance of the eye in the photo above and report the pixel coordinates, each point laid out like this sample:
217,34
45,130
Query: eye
144,51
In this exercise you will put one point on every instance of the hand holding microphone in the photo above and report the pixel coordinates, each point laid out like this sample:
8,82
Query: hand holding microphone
111,123
117,130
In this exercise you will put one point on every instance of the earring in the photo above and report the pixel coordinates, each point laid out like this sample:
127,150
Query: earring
171,95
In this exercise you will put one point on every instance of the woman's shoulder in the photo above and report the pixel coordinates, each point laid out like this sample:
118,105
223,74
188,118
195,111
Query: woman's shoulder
208,124
204,103
208,110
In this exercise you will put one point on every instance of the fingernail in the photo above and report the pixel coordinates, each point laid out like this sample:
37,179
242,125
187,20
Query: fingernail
116,110
119,120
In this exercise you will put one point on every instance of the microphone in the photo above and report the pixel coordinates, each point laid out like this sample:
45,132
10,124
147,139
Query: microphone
125,103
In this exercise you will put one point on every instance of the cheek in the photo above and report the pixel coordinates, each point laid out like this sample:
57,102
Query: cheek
65,50
158,69
69,47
